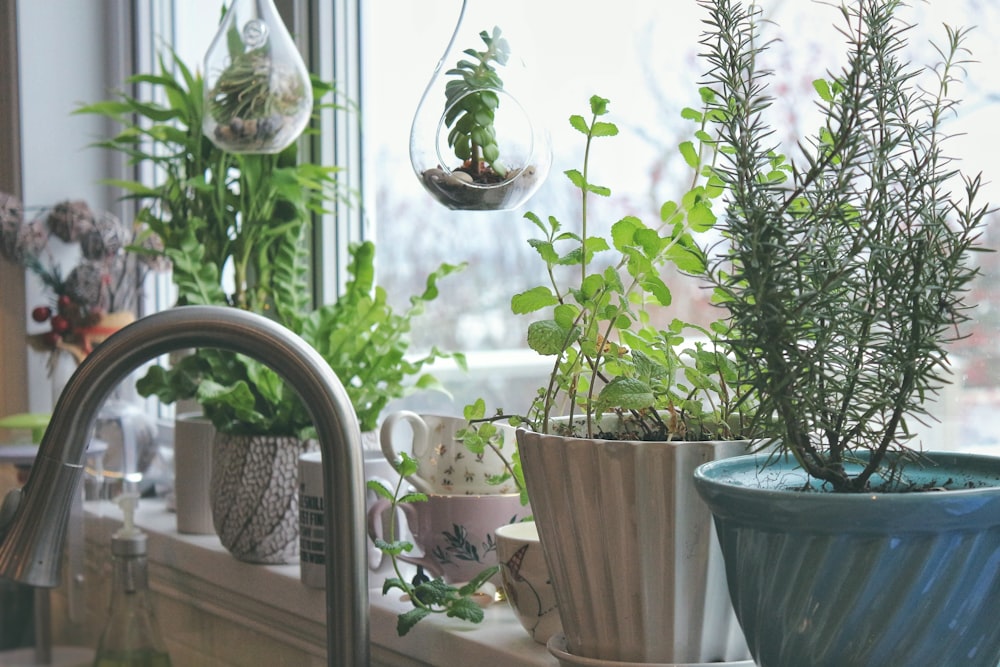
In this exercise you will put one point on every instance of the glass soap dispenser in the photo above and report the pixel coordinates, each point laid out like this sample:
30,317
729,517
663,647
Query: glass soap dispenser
258,95
131,637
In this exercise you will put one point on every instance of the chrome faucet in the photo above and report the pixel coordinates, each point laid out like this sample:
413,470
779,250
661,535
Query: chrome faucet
33,519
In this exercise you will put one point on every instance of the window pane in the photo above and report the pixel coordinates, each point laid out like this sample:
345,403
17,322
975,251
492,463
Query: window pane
645,60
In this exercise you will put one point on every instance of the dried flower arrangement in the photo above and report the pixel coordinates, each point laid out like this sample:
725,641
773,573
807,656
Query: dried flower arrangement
100,294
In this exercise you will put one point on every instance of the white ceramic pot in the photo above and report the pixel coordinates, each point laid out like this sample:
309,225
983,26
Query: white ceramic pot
631,548
193,437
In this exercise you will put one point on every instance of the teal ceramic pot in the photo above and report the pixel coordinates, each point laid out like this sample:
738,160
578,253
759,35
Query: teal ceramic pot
859,580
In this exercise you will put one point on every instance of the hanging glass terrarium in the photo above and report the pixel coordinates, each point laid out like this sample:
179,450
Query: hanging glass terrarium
473,144
258,97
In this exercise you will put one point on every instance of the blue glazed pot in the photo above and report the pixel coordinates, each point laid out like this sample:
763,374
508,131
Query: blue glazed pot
861,580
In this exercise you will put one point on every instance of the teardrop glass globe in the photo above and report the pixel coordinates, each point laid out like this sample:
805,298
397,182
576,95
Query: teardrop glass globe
474,144
258,96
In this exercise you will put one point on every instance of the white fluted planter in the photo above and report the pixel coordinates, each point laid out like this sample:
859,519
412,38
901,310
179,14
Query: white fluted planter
632,549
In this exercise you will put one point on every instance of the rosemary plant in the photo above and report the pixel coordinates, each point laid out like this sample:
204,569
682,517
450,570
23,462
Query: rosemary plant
844,272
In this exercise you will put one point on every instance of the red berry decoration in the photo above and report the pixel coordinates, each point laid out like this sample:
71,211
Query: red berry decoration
41,314
51,338
60,324
64,302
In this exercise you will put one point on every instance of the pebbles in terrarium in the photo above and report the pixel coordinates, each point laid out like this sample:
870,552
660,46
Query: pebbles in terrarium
458,190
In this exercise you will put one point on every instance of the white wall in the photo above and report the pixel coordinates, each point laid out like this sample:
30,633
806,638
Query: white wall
62,52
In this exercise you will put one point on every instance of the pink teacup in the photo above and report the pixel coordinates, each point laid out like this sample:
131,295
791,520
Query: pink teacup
453,536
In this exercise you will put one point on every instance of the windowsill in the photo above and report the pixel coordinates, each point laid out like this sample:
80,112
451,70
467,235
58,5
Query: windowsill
270,600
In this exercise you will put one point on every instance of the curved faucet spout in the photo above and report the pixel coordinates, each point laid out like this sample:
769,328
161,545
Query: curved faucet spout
32,547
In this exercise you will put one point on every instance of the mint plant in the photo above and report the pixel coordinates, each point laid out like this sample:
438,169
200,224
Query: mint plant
608,355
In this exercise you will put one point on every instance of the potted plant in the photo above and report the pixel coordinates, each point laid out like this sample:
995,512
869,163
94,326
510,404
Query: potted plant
633,403
502,159
249,214
844,275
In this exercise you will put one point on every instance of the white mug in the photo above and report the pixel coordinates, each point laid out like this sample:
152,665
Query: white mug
312,549
445,465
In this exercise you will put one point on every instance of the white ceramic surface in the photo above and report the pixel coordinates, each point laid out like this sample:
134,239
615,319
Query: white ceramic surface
453,535
193,435
445,465
526,580
312,555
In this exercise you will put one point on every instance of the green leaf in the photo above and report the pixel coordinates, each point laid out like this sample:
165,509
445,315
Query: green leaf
532,300
576,178
701,218
379,489
547,337
408,619
823,89
690,154
627,393
692,114
602,129
475,410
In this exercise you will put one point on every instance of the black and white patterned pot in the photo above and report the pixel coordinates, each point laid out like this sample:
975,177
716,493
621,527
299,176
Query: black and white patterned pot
255,495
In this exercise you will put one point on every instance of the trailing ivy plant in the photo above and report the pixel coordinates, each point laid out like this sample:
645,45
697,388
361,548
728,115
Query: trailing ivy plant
427,596
844,272
471,105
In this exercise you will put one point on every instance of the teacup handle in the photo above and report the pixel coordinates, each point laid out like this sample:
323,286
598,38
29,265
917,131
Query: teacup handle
421,438
376,530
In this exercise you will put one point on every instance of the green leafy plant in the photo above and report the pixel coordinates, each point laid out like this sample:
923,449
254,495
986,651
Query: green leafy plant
213,209
844,273
471,105
605,294
366,341
427,596
251,214
362,337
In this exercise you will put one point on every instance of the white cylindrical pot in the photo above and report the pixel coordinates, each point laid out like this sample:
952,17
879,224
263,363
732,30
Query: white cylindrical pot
193,435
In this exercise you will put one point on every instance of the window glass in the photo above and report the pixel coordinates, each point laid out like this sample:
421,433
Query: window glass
645,60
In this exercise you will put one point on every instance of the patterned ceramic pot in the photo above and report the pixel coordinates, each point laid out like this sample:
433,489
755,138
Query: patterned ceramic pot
254,495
